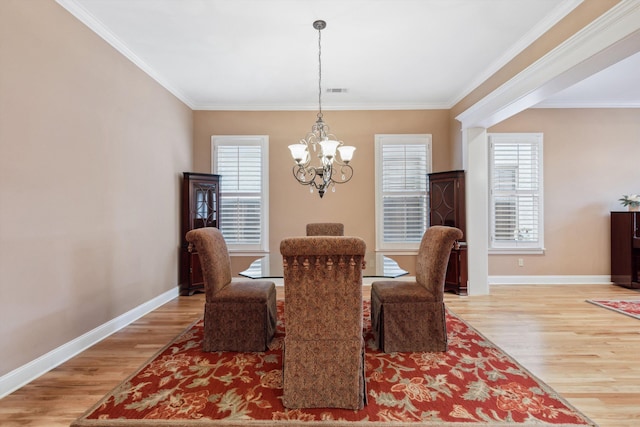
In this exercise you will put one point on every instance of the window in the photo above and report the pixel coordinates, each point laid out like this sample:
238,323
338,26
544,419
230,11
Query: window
401,168
242,163
515,179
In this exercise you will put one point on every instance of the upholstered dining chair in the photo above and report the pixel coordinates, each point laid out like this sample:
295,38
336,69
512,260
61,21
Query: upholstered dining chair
410,315
239,315
323,364
325,229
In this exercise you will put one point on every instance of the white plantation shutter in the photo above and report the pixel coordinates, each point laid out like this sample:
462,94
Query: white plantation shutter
402,165
241,163
516,191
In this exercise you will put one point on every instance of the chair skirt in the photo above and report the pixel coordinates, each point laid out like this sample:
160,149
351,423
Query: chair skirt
411,324
324,374
241,324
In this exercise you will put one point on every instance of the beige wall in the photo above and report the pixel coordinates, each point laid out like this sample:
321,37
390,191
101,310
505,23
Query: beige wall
590,161
91,151
584,176
291,204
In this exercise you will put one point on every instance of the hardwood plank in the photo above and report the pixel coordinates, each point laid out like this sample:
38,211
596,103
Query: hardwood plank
586,353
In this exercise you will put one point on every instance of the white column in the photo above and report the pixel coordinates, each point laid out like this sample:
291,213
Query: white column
476,163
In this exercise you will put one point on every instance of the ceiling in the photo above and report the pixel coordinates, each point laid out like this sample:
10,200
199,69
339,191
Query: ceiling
380,54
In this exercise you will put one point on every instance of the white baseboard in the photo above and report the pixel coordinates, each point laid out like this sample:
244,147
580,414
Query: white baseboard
43,364
549,280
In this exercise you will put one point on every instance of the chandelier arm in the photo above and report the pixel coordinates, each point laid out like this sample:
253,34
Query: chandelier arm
344,170
312,176
308,175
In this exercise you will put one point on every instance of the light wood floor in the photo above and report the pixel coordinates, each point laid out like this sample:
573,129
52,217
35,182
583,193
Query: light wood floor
590,355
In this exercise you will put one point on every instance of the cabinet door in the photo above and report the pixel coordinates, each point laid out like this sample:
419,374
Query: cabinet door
200,202
625,249
197,279
452,278
203,209
457,279
443,202
446,200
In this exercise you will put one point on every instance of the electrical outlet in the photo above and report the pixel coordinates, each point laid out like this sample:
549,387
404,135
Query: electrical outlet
520,262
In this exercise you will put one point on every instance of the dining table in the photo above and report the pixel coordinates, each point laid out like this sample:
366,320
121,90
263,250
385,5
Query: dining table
377,265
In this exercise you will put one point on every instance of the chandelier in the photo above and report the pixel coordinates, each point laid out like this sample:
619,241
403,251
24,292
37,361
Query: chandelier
324,168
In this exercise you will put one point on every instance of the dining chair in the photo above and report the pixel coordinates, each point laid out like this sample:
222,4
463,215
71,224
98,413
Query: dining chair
410,315
323,362
239,315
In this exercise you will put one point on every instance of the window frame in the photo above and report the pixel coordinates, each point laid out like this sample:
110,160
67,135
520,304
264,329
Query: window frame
404,248
515,246
262,141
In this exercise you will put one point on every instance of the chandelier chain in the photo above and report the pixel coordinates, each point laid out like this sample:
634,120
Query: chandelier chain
319,72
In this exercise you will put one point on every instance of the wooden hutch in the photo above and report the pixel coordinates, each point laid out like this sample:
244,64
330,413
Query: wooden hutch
200,208
625,249
447,207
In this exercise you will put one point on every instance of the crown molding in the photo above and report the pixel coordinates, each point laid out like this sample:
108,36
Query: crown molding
350,107
612,37
95,25
531,36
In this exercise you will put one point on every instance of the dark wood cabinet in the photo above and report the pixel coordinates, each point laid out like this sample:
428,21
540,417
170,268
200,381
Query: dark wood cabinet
456,279
200,208
625,249
447,207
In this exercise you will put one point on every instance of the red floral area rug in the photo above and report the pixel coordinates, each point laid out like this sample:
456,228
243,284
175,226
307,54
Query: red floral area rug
628,307
473,384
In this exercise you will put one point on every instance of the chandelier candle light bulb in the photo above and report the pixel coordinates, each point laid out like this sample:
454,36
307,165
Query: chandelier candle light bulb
329,149
299,153
346,153
333,168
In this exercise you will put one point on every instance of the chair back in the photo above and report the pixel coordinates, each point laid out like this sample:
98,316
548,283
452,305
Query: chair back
325,229
214,258
323,286
323,362
433,257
